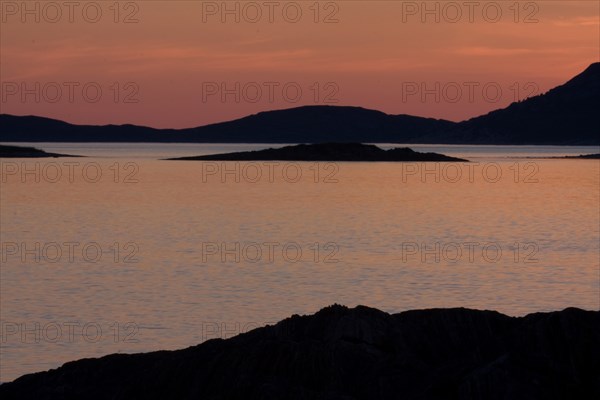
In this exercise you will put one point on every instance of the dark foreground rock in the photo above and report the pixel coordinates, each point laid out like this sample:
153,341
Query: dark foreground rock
359,353
327,152
27,152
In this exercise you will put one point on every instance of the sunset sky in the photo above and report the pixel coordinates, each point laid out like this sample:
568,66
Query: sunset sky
377,55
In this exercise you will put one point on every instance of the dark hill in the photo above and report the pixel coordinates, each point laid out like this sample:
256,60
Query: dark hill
567,114
40,129
323,124
359,353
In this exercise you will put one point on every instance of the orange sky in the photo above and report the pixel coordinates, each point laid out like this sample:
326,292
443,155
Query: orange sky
378,55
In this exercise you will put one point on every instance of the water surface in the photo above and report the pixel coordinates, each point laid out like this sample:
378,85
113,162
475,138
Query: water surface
387,235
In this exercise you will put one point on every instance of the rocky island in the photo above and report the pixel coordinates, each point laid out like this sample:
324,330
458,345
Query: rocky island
354,353
27,152
327,152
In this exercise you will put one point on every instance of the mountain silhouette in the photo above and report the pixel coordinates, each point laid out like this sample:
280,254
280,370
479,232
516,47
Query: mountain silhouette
41,129
308,124
322,124
565,115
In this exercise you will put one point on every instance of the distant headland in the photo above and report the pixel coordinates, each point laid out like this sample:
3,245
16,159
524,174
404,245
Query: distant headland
28,152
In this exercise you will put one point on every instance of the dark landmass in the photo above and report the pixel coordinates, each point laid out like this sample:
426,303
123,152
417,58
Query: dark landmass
360,353
325,124
586,156
327,152
27,152
308,124
565,115
579,157
40,129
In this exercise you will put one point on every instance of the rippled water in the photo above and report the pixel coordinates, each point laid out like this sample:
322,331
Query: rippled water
192,250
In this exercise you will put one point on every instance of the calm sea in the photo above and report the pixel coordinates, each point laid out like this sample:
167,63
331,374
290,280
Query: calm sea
123,252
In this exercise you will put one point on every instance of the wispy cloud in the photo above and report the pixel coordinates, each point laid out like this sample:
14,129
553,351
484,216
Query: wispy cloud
506,52
576,21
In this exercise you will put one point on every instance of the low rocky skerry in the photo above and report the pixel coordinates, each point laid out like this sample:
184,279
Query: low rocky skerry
342,152
358,353
586,156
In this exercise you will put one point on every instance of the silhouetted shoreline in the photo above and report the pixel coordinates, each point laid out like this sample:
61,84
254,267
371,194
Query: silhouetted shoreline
583,156
578,157
28,152
358,353
347,152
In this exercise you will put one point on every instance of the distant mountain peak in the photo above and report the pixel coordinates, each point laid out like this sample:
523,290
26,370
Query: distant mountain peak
594,68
